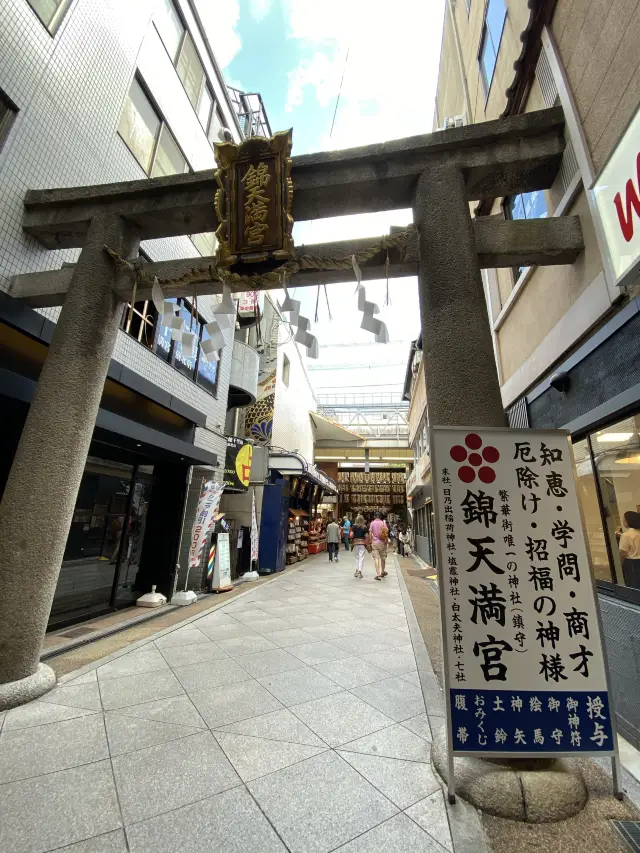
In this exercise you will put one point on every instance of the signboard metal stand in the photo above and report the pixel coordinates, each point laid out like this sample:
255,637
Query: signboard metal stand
525,667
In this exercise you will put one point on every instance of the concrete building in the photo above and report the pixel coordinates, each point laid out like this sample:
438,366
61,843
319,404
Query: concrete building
95,92
566,338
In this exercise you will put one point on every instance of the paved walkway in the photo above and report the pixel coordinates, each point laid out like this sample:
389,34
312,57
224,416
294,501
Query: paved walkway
291,719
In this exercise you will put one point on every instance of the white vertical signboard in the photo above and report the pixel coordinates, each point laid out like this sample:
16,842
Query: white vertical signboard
222,565
525,672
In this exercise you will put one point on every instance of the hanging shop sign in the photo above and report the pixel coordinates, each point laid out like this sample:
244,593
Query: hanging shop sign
221,581
524,665
237,465
254,200
207,507
617,195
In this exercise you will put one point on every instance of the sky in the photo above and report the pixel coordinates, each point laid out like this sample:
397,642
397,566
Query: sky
381,59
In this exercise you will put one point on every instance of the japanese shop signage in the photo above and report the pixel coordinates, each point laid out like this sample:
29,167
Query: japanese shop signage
207,507
617,195
524,665
237,464
254,200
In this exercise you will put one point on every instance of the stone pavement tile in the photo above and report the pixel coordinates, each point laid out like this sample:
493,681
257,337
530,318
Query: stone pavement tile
40,713
333,630
112,842
351,672
212,620
248,615
299,685
253,757
420,726
154,780
225,631
393,637
186,636
318,652
234,702
392,742
398,835
392,620
290,637
47,749
47,812
128,734
132,663
402,782
230,822
411,677
196,653
340,718
81,696
320,803
362,645
278,726
305,620
176,709
136,689
394,697
270,625
396,661
88,678
268,663
431,815
213,673
239,646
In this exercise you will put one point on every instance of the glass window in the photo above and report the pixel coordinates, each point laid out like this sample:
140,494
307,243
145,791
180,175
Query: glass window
169,27
186,364
205,106
588,497
286,370
7,115
139,125
208,371
495,15
50,12
531,205
163,345
216,125
141,322
206,243
616,451
190,70
169,160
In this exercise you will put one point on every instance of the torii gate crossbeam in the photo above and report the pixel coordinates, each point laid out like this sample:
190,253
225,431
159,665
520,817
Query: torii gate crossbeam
437,175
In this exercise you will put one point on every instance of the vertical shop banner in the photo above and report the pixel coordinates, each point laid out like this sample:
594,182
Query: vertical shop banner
254,532
207,506
222,564
524,664
237,465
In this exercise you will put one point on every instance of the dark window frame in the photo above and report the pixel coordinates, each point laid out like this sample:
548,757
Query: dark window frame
54,25
6,120
163,124
286,370
484,34
507,214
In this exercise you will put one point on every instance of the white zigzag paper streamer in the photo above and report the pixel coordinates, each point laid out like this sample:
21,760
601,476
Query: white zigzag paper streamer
369,322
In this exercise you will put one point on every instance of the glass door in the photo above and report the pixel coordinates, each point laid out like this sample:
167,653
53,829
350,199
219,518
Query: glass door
128,548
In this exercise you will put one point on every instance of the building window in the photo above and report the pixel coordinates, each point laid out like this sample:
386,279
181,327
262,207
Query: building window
8,113
148,137
206,243
531,205
286,370
141,322
468,4
170,28
190,70
494,18
50,12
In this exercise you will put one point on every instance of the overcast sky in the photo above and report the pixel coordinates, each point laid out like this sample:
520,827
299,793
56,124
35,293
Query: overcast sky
294,52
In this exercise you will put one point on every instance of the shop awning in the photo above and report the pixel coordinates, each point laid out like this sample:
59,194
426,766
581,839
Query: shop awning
294,464
299,513
326,430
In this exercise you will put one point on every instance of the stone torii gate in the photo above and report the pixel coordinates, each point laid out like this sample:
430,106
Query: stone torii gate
437,175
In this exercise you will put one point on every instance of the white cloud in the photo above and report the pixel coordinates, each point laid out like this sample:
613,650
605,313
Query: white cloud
321,73
221,23
260,9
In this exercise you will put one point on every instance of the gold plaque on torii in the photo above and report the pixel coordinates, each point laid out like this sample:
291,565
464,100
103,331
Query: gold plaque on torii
254,200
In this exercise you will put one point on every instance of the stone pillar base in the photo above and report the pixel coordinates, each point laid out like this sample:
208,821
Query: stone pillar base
20,692
541,790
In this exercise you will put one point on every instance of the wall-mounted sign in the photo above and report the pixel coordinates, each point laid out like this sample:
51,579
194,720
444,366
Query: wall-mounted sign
237,465
255,199
617,195
524,665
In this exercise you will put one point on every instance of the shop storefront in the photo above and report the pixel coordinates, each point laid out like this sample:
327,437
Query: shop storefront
420,492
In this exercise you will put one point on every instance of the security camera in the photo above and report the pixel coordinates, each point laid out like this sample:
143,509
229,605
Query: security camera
560,381
225,135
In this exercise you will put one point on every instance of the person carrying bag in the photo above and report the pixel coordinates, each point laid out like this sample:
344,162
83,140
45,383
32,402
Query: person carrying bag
361,542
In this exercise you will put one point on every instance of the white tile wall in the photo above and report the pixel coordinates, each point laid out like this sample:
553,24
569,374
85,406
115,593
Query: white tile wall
291,422
70,90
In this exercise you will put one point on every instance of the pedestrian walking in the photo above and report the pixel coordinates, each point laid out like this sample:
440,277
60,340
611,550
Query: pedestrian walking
346,530
361,542
629,545
379,533
333,540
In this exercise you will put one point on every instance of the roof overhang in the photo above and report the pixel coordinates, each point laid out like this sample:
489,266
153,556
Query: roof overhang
294,464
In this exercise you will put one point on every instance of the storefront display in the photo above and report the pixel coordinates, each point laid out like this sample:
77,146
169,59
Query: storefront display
372,491
317,536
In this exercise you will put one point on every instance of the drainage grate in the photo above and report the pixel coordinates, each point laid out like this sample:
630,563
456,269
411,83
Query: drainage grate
78,632
629,831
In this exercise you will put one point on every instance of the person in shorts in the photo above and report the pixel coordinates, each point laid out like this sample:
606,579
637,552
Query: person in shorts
379,533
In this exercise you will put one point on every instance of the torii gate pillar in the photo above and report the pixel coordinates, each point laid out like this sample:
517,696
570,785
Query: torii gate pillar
50,460
456,337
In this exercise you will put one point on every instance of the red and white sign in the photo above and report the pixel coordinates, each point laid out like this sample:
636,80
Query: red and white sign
617,195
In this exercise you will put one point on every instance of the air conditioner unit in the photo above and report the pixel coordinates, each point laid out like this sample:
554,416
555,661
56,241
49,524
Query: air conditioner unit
454,121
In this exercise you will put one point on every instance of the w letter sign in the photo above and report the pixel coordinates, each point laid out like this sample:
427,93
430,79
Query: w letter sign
625,217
